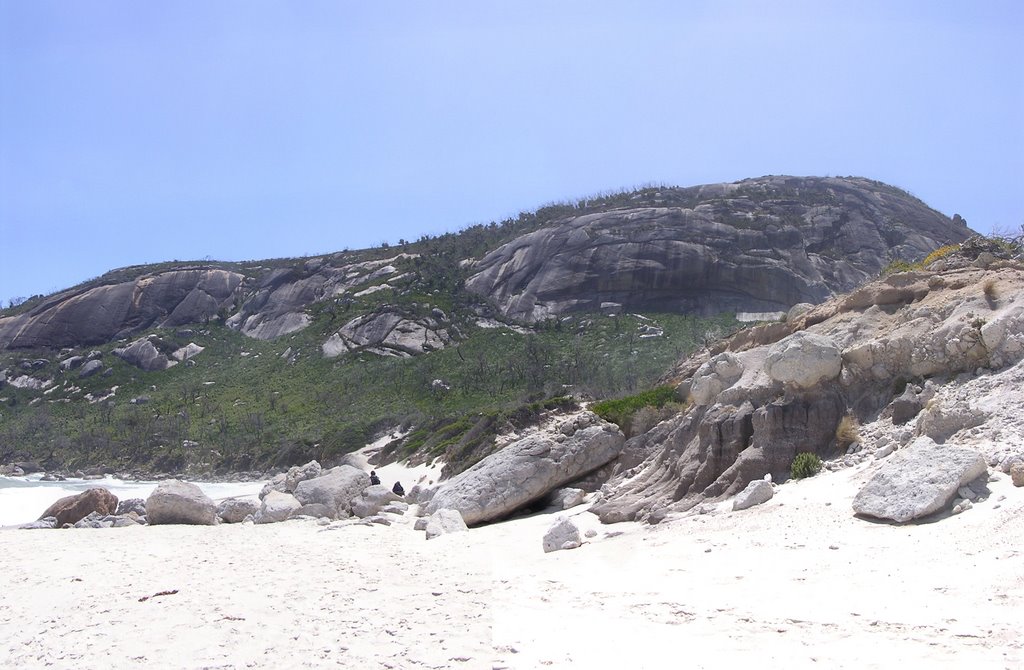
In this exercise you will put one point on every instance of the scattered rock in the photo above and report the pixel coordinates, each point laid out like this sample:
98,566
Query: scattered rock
72,509
131,505
301,473
906,406
757,492
1017,473
190,350
335,488
48,522
940,423
918,480
178,502
372,500
565,533
143,354
444,521
276,507
234,510
315,510
566,498
90,368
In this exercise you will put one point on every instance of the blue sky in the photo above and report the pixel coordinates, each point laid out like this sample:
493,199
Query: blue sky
139,132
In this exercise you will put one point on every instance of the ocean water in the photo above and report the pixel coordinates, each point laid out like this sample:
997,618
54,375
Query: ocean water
23,499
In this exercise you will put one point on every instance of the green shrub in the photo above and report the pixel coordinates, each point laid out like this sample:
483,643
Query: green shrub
805,465
621,410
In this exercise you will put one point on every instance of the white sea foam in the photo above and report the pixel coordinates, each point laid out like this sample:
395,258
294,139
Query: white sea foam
23,499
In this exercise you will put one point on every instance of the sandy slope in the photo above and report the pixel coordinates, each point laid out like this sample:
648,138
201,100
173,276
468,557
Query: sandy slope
796,582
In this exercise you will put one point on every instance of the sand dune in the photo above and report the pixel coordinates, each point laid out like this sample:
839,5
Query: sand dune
797,581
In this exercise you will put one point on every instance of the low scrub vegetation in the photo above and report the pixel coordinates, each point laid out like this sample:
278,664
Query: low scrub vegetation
805,465
848,431
637,413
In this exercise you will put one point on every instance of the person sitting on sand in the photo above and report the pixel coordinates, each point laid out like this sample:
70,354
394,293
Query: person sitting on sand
374,479
397,489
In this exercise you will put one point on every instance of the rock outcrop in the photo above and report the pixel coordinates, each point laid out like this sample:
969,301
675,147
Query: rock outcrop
526,471
921,479
103,313
925,327
71,509
759,245
387,333
177,502
143,354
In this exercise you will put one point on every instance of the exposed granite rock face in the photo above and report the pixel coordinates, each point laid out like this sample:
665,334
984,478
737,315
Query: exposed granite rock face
277,305
759,245
388,334
103,313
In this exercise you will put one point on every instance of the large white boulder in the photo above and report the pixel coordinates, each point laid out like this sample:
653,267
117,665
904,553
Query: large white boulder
175,501
335,488
525,471
803,359
276,506
918,480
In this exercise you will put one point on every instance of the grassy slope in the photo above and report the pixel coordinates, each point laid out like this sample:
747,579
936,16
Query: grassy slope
260,410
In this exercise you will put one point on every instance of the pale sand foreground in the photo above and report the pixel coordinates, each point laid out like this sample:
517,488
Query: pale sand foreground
793,583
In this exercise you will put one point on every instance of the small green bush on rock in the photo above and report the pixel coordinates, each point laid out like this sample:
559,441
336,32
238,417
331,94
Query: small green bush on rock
805,465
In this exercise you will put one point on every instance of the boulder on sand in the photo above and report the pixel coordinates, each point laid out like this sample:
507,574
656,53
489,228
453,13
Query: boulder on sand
276,506
174,501
372,500
565,533
72,509
757,492
526,471
335,488
918,480
444,521
234,510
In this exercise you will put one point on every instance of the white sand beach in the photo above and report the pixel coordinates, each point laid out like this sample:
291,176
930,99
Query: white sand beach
796,582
